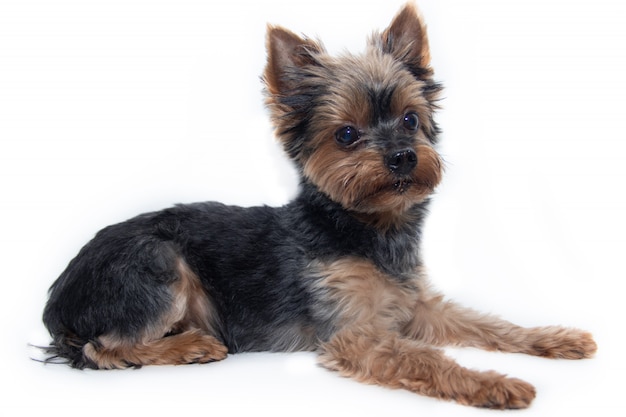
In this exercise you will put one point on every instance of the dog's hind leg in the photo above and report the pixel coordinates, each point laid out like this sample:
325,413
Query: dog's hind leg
153,312
184,334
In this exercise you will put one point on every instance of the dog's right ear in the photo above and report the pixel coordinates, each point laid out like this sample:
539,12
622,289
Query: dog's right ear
286,53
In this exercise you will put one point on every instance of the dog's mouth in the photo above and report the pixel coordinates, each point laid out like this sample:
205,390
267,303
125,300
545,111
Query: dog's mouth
398,191
399,187
402,185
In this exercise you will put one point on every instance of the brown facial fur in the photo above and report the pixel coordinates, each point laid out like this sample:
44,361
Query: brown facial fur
356,176
360,182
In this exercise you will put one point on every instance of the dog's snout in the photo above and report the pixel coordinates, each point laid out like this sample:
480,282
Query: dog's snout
401,162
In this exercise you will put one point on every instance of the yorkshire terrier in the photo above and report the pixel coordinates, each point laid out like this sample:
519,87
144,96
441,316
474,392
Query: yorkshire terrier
337,271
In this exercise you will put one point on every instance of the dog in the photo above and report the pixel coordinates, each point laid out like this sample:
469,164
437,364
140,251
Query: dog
337,270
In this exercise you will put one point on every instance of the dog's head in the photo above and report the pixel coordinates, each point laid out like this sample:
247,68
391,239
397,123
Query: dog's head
359,127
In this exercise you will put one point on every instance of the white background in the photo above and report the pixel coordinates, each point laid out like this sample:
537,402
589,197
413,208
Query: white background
112,108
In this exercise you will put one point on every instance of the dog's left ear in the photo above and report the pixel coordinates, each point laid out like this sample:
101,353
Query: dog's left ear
407,41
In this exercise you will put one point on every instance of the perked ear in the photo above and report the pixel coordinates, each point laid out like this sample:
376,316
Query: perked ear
407,41
286,52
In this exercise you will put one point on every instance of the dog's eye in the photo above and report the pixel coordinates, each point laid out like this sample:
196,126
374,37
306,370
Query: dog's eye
347,135
411,121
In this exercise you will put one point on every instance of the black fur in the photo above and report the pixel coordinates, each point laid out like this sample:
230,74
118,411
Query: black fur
254,263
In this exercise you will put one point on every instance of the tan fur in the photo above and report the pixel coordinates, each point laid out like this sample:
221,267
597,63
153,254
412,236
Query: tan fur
389,331
194,309
371,356
362,294
360,182
192,346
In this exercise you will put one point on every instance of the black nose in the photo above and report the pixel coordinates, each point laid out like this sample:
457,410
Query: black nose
401,162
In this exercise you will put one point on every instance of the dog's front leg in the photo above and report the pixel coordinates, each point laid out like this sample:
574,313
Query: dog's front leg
444,323
384,358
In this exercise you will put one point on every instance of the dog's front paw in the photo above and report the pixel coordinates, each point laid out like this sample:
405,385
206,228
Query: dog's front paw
499,392
560,342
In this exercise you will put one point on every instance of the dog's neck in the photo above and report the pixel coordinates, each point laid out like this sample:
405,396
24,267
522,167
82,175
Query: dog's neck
340,232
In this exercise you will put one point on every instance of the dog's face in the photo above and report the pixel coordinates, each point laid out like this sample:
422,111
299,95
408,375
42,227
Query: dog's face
359,127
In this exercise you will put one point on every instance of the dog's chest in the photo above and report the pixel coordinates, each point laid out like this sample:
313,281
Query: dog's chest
353,292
